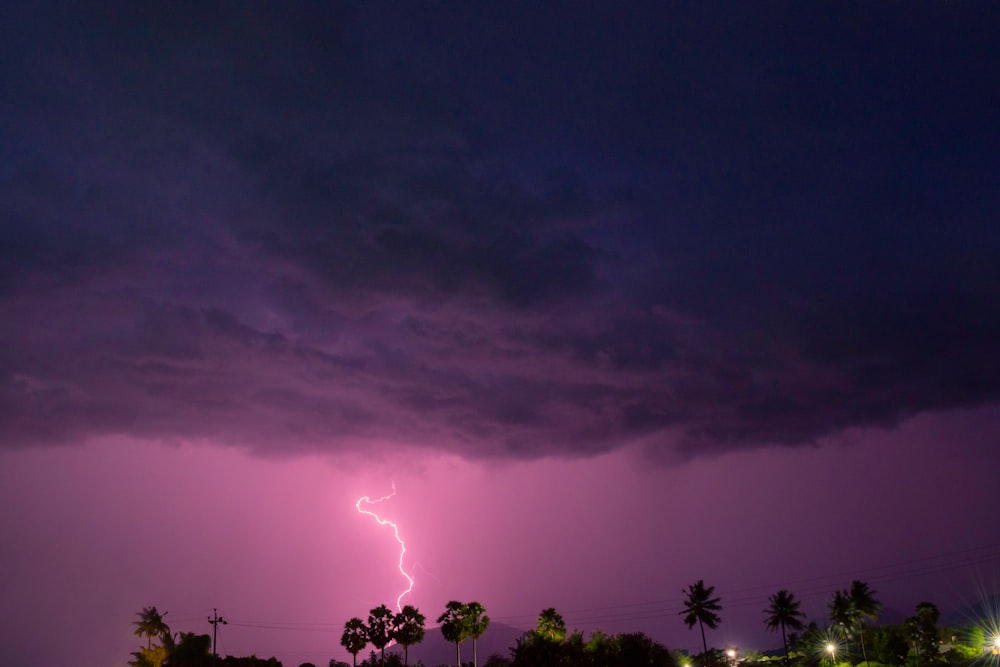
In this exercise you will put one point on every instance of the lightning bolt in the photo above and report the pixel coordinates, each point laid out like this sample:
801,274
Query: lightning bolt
395,530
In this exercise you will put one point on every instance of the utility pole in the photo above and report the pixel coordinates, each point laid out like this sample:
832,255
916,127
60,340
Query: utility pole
215,619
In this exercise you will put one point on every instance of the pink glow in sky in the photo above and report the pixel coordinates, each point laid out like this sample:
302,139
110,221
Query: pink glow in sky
96,533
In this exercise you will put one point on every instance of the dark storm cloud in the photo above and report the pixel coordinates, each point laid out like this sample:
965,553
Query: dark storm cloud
511,231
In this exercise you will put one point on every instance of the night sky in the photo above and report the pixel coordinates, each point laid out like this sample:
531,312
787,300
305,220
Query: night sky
619,297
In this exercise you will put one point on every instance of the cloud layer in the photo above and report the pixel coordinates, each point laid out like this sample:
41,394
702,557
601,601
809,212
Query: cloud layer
544,231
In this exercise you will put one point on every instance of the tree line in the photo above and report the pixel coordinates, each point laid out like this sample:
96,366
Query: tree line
917,642
847,638
460,621
185,649
547,644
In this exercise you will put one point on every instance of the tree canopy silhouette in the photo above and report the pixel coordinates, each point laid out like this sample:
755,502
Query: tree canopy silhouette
380,623
700,607
849,608
150,624
408,629
783,612
454,627
355,638
551,625
476,622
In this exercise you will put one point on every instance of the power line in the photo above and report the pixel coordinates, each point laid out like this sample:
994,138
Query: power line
738,598
821,585
277,626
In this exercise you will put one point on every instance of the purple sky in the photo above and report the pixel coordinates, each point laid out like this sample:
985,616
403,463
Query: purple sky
618,300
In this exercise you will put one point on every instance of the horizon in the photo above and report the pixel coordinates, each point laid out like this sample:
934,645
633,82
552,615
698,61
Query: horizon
982,612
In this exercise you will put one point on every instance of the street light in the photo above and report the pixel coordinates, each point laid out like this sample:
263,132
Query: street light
831,648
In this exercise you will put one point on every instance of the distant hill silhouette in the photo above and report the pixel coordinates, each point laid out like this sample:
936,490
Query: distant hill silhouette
434,650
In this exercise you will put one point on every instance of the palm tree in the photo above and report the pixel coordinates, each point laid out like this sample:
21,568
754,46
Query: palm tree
380,628
849,608
864,600
866,606
150,624
476,624
551,625
841,613
355,638
408,629
453,627
700,608
784,613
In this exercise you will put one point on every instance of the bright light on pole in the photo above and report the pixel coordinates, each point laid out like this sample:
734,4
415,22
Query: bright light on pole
831,648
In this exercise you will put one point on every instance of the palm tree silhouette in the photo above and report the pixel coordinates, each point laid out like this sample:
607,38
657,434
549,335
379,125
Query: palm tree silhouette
842,614
355,638
453,627
700,608
784,613
865,606
849,608
150,624
380,628
551,625
476,624
408,629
